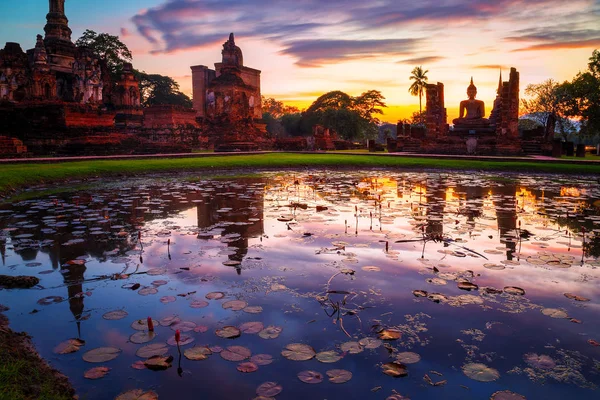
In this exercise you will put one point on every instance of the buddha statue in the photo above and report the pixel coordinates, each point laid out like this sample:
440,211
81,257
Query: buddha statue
472,111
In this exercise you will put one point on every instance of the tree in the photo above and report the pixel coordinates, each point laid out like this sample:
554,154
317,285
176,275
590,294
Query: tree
582,97
108,47
277,109
416,89
546,103
158,89
353,118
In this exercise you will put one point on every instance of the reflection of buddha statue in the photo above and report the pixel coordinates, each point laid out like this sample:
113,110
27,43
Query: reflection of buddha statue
472,111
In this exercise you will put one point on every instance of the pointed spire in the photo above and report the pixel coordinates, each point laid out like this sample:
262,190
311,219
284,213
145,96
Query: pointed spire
500,83
472,81
231,38
39,54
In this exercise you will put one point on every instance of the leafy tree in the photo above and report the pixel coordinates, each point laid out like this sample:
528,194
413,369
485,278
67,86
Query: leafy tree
353,118
582,97
158,89
108,47
547,104
276,108
418,86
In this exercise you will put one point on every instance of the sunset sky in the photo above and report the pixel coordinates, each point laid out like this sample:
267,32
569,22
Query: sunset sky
308,47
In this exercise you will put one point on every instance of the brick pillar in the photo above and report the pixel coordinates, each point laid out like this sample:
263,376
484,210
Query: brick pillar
199,83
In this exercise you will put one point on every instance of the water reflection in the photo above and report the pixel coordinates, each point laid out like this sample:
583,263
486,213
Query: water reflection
325,256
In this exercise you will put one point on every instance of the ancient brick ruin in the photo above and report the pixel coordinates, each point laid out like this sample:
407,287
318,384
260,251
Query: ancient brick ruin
227,101
472,133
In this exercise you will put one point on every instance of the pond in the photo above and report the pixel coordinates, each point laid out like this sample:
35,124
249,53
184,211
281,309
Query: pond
319,284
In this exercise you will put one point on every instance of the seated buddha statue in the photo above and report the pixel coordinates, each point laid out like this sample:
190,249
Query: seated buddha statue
472,111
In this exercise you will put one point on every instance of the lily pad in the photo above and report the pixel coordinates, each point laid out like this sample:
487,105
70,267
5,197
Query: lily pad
228,332
197,353
328,357
507,395
236,353
142,337
394,369
419,293
262,359
46,301
554,313
115,315
270,332
168,299
298,352
480,372
247,367
408,357
199,304
575,297
96,373
155,349
370,343
215,295
269,389
517,291
252,309
351,347
101,354
138,394
390,334
310,377
69,346
141,324
158,363
183,340
147,291
339,375
235,305
183,326
467,286
371,268
167,321
252,327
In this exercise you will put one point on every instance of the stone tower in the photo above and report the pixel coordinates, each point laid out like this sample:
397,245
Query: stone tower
60,48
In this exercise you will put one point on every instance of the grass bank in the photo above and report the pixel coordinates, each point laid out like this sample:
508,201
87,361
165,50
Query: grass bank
18,176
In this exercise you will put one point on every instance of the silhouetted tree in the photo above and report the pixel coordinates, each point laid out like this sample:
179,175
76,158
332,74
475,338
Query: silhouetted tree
108,47
418,86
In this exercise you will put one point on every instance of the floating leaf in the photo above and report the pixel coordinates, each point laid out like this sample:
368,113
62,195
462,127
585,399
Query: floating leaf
199,304
394,369
480,372
183,326
235,305
328,356
507,395
298,352
168,299
419,293
167,321
115,315
147,291
554,313
352,347
101,354
197,353
247,367
159,283
253,309
69,346
539,361
155,349
517,291
270,332
138,365
46,301
251,327
339,375
201,328
215,295
575,297
236,353
408,357
137,394
142,337
370,343
311,377
183,340
269,389
158,363
140,324
228,332
437,297
96,373
278,287
390,334
371,268
261,359
467,286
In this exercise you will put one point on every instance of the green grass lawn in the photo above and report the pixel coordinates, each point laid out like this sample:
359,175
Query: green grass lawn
18,176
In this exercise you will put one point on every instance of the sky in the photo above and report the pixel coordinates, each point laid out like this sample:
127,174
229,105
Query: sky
306,48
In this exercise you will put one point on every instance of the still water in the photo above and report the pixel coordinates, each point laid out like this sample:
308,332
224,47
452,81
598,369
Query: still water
464,285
